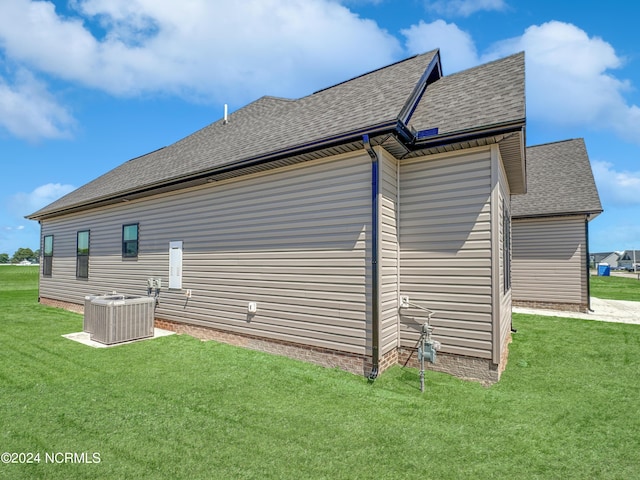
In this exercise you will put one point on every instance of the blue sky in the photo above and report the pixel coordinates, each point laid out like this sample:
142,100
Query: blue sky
87,84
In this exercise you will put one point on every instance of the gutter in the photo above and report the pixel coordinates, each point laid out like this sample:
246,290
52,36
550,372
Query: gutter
375,286
468,135
590,215
202,176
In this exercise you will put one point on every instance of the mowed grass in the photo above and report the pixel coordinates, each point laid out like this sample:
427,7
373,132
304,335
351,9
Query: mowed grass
568,406
615,288
14,277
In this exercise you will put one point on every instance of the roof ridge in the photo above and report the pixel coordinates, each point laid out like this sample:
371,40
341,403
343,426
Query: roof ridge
556,142
373,71
148,153
273,97
484,65
221,119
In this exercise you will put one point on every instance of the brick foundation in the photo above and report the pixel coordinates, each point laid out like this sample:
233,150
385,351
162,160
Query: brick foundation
468,368
388,359
72,307
358,364
565,307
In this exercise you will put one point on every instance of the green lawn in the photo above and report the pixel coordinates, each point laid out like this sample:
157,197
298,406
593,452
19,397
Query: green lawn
615,288
568,406
14,277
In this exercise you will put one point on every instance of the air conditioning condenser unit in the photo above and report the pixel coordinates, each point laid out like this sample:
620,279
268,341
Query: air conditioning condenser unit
120,318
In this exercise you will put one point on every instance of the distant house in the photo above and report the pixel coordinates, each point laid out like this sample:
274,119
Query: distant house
609,258
628,258
550,228
294,226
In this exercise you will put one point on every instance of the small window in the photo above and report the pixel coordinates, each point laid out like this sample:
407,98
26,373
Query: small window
47,256
82,255
506,246
130,240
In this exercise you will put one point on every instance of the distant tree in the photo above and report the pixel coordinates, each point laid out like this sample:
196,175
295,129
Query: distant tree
36,255
4,258
23,254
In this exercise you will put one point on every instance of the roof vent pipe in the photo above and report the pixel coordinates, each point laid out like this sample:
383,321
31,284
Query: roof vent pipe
226,114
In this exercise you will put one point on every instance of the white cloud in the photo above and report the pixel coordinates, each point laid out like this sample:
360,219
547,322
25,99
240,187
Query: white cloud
29,111
458,51
569,80
361,2
617,187
232,52
203,48
463,8
12,238
26,203
568,74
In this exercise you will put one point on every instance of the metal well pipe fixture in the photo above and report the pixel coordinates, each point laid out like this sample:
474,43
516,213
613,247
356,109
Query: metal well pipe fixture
427,347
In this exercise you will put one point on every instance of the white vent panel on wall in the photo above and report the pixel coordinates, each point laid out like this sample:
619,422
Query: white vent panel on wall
175,265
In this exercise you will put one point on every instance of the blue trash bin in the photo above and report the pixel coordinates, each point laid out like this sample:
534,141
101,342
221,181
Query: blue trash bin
604,270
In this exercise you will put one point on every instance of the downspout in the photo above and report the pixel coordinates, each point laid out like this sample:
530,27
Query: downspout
588,263
40,260
375,287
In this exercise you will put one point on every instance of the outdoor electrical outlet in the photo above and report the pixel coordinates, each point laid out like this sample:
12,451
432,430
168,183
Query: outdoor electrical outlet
253,307
188,294
404,301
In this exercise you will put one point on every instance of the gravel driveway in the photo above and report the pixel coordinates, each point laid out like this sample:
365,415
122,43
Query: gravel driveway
620,311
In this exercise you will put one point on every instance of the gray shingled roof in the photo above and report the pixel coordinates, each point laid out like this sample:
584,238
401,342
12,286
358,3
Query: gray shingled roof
486,95
559,181
269,124
598,257
482,96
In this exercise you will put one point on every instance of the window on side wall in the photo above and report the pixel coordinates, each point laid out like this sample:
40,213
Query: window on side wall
82,255
47,255
506,244
130,240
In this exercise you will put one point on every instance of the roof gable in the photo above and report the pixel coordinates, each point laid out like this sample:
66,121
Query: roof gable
559,182
488,94
628,255
473,106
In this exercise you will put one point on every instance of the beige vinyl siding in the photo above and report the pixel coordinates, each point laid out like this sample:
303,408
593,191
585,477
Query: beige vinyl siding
294,240
388,256
445,249
503,315
548,260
